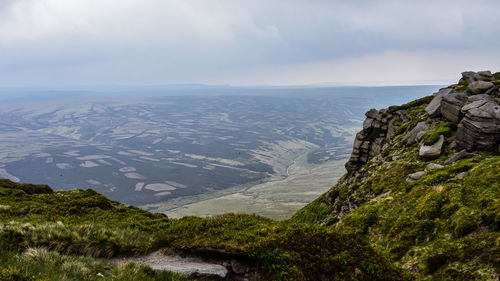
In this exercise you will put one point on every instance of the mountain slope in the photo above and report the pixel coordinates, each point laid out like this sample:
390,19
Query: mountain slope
423,183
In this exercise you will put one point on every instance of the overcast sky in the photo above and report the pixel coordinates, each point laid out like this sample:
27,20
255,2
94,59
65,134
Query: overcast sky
272,42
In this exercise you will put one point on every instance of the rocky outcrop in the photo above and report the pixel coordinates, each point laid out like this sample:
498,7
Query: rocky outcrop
476,110
472,106
480,127
369,140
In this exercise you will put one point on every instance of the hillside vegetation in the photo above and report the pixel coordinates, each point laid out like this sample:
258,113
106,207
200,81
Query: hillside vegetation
46,235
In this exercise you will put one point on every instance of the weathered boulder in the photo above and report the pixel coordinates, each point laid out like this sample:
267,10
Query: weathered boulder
434,107
485,74
433,166
416,133
451,106
415,176
480,127
429,152
463,154
471,76
479,87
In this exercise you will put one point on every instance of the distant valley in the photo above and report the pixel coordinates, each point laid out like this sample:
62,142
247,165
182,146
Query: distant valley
198,151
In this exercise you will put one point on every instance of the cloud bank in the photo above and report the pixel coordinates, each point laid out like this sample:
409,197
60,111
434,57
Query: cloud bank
83,42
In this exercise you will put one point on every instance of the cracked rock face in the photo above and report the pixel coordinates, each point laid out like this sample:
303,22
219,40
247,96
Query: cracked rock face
451,106
480,127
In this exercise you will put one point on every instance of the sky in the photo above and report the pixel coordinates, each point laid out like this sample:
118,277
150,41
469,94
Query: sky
256,42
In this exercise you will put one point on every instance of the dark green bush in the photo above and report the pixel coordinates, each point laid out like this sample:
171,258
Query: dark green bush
28,188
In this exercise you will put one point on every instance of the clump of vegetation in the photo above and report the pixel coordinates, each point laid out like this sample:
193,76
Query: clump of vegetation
445,129
461,86
412,104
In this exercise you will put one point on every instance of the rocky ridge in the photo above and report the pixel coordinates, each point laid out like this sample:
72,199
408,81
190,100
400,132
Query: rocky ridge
462,118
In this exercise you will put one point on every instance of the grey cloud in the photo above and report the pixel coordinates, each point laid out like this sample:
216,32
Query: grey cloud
169,41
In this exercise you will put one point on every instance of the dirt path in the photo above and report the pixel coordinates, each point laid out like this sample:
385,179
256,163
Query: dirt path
191,267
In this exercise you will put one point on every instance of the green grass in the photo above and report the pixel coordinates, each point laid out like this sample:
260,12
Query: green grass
41,264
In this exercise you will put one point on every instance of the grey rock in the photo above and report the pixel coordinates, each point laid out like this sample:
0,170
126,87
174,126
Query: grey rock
463,154
471,76
415,176
451,105
413,136
372,113
434,107
429,152
485,73
433,166
461,175
367,123
480,127
480,97
479,87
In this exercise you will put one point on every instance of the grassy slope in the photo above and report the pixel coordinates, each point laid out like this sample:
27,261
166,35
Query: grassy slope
78,225
444,226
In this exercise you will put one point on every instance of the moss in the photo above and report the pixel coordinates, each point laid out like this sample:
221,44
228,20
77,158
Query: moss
455,221
445,129
412,104
401,129
464,221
